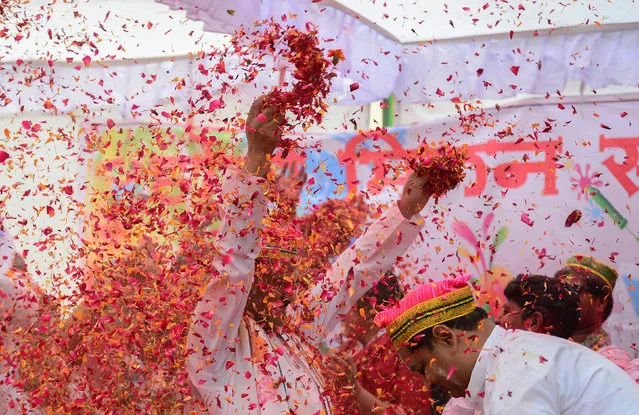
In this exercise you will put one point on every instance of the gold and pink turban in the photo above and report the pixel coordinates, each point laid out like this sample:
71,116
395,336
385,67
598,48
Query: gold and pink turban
590,266
427,306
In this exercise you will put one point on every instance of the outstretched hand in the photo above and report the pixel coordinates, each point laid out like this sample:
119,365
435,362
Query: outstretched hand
263,134
343,371
290,182
414,196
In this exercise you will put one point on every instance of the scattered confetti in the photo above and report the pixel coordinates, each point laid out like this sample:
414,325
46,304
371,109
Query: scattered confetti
573,218
445,166
526,219
313,69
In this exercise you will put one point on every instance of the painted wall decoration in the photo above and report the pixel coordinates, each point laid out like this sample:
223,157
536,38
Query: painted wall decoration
546,182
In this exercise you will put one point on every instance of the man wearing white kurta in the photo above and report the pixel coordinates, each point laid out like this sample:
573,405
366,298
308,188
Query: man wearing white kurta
238,367
18,312
439,331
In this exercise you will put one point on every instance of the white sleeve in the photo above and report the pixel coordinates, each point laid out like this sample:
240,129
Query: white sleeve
458,406
522,383
354,272
7,250
213,335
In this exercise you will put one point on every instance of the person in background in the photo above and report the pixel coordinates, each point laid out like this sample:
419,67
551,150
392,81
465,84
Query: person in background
534,303
377,367
242,358
7,250
440,332
540,304
595,282
19,306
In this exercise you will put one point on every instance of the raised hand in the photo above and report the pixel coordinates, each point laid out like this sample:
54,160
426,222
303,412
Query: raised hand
342,371
290,182
414,196
263,134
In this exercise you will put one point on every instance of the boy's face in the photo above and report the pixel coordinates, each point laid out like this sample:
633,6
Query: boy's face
511,317
445,365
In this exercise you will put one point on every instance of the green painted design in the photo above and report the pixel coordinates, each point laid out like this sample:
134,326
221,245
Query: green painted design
601,201
388,113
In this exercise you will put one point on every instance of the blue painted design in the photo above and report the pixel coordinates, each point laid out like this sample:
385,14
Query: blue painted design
136,188
325,187
632,293
594,212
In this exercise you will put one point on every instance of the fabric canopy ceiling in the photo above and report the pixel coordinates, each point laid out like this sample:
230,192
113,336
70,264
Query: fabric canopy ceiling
134,54
424,21
475,59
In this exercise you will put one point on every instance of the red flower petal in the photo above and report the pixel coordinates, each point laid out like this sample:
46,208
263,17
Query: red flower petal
514,69
354,86
3,156
215,104
573,218
526,219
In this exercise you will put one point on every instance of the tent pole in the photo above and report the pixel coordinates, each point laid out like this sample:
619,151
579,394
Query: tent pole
388,113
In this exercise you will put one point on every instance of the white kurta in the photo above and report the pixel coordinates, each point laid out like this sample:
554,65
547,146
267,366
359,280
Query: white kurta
7,251
18,311
524,373
220,350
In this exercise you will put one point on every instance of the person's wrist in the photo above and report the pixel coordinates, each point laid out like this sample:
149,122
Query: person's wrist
406,209
257,162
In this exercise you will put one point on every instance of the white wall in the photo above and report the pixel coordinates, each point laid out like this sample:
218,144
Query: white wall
42,164
574,93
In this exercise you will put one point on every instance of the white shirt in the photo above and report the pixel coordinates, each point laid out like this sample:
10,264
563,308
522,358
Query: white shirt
18,311
7,251
219,341
524,373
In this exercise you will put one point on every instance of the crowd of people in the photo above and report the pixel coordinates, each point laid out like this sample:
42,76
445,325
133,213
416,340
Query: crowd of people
354,342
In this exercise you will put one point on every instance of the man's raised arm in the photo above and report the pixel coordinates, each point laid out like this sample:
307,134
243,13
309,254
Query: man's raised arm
364,263
213,335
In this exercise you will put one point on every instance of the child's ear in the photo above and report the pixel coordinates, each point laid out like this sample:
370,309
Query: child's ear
445,336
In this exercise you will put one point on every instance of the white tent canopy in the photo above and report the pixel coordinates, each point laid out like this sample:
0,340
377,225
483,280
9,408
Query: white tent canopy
491,52
120,30
439,20
139,47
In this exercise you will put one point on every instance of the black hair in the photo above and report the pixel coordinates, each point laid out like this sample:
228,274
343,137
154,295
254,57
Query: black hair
468,322
557,302
591,284
383,294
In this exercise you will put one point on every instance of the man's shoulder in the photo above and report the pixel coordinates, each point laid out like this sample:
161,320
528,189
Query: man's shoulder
615,353
541,347
523,337
544,350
